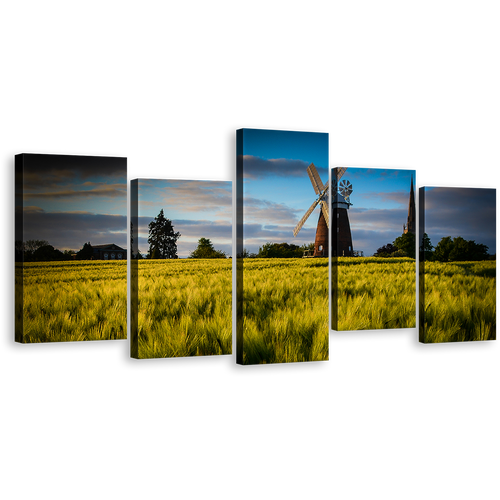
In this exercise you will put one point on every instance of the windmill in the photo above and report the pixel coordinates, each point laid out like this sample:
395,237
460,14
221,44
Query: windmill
341,193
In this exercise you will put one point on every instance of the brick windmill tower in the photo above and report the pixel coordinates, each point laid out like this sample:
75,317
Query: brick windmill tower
340,203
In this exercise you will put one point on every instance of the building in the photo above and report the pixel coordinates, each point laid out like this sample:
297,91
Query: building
108,252
411,224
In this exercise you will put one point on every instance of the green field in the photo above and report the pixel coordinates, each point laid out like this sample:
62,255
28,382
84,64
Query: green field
375,293
71,301
183,308
459,302
185,305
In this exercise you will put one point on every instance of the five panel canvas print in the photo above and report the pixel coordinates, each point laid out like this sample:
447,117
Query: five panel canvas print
70,252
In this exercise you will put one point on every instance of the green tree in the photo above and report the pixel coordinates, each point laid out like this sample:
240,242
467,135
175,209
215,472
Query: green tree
406,243
280,251
426,248
385,251
468,250
443,249
162,238
206,250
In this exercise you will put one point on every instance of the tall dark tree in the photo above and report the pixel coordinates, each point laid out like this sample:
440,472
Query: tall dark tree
426,248
162,238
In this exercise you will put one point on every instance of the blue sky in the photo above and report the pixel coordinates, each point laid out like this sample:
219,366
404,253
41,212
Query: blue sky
277,192
197,209
68,200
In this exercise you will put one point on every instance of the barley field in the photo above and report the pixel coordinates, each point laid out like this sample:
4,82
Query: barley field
374,293
71,301
181,308
458,302
285,311
184,306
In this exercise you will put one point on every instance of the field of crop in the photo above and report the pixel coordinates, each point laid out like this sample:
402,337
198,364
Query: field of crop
181,308
185,305
285,311
71,301
375,293
459,302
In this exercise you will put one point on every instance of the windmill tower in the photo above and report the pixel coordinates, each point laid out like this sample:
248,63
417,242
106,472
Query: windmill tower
340,204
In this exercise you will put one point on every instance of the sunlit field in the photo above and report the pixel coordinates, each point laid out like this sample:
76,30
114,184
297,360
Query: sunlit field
459,302
285,310
375,293
72,301
182,308
185,305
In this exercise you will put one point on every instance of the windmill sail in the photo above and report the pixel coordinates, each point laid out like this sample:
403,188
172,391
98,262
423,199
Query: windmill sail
316,181
302,221
324,209
340,172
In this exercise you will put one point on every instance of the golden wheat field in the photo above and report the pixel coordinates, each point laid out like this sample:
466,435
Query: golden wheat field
184,305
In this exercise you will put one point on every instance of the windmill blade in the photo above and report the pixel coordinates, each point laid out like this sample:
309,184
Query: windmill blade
340,171
324,209
316,181
302,221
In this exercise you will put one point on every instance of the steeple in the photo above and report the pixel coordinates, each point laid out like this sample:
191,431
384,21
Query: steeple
412,220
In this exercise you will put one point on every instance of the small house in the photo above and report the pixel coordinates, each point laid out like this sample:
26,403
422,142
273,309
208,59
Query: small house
108,252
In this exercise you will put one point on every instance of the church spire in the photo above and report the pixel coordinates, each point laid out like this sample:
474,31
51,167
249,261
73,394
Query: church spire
412,220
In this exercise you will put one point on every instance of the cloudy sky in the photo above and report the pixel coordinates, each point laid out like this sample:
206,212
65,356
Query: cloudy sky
197,209
277,192
466,212
70,200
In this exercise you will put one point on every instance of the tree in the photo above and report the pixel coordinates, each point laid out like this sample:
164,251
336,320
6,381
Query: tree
280,251
29,247
385,251
426,248
68,254
156,254
443,249
206,250
86,252
406,243
162,238
459,249
47,253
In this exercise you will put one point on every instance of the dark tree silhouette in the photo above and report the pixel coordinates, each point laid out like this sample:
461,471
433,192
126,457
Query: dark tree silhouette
85,253
162,238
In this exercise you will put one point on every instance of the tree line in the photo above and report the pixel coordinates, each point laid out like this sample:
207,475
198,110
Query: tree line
447,250
163,238
43,251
